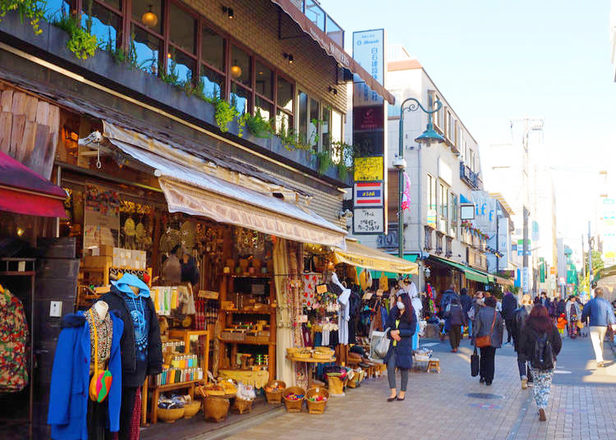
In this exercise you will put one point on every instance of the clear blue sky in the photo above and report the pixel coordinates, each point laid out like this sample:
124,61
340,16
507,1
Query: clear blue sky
500,59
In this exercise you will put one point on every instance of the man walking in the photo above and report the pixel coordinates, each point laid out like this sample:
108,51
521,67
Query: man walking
509,306
467,302
519,319
601,314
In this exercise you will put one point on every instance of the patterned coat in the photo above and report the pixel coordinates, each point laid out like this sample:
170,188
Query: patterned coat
14,337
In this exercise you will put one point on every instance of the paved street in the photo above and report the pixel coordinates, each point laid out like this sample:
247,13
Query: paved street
452,405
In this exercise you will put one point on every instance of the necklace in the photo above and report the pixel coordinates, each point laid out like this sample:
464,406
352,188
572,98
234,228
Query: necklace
137,314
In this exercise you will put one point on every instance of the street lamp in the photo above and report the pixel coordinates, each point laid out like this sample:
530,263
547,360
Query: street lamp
428,137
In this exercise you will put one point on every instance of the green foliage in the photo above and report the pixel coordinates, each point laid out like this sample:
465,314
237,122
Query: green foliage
259,127
224,114
81,42
33,10
171,77
119,54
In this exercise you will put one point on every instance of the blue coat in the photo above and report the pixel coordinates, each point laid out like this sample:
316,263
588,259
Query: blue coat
403,349
600,312
70,379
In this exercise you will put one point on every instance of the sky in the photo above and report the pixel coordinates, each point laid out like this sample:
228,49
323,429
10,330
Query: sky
496,60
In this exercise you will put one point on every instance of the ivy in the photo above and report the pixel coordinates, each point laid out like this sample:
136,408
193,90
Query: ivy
259,127
33,10
81,42
224,114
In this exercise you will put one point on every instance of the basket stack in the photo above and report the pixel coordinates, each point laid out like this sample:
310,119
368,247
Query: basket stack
275,395
241,406
317,406
294,405
215,409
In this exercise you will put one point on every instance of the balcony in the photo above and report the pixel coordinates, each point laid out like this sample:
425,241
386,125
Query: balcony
469,177
321,19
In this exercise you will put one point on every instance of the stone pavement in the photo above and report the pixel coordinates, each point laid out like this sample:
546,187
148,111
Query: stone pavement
452,405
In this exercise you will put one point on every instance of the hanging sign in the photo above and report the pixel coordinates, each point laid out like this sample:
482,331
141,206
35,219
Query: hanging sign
368,168
368,194
368,221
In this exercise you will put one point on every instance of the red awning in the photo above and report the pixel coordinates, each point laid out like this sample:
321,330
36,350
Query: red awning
23,191
333,49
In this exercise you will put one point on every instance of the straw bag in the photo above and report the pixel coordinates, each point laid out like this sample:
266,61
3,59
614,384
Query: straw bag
101,381
486,341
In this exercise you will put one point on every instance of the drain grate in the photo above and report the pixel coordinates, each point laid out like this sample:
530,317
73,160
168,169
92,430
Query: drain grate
485,396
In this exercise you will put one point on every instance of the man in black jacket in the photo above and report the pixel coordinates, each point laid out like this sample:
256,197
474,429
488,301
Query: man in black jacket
510,304
517,323
466,302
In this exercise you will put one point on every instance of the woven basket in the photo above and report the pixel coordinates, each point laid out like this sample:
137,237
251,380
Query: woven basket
241,406
293,406
170,415
275,396
335,385
316,407
191,409
215,409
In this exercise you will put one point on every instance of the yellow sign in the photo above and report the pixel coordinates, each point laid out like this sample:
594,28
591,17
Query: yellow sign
368,169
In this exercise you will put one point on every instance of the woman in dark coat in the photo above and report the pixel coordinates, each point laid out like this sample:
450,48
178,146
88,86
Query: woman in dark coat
457,318
402,324
483,327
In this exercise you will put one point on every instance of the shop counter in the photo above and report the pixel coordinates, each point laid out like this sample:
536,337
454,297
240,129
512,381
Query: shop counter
257,379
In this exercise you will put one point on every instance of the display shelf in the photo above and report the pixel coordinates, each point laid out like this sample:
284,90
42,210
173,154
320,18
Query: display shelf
228,341
250,312
262,276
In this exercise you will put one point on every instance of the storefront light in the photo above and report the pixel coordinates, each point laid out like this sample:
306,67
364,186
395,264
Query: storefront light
236,71
149,18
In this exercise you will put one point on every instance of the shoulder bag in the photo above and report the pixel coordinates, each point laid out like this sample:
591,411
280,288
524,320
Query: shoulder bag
101,381
486,341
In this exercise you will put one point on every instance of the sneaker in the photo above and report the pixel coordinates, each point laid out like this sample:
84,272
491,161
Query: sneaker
489,383
530,384
542,416
481,380
524,384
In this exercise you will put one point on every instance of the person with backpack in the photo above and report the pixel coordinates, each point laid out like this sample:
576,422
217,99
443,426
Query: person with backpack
489,325
519,318
456,319
466,302
510,304
541,343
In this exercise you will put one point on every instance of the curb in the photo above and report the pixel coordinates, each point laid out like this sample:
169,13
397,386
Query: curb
240,426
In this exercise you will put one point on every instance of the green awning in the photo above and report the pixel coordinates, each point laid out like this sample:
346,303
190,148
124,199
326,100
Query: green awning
408,257
469,273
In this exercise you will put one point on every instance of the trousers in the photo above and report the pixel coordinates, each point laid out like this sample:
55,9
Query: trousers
597,335
486,363
541,388
455,334
509,325
391,374
524,368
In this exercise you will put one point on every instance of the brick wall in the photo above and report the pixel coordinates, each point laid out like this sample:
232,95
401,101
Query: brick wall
255,25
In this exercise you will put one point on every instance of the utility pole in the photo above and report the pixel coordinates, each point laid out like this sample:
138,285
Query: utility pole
589,260
583,262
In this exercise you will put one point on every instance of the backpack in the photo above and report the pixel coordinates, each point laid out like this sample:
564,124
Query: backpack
471,313
543,355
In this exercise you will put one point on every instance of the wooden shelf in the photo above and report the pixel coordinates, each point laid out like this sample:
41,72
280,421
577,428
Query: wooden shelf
261,276
175,386
13,273
227,341
251,312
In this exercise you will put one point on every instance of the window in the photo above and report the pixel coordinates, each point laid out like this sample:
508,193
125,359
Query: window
453,225
105,20
241,80
264,101
431,201
284,104
443,223
393,110
148,39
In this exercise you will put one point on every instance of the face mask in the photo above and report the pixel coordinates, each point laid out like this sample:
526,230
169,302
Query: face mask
400,305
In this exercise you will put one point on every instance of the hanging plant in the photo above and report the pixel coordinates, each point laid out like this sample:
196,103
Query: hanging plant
224,114
81,42
33,10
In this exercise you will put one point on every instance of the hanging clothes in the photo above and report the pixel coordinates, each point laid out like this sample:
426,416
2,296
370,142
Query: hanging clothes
14,337
310,281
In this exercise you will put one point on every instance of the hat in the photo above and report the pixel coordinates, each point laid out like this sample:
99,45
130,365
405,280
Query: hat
128,280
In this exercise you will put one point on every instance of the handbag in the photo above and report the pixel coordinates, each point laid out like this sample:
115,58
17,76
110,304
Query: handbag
101,381
474,363
486,341
381,346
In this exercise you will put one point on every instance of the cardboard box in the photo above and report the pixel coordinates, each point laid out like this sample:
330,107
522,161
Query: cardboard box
97,261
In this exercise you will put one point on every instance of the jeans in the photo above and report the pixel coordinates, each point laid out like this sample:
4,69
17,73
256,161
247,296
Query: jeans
391,374
455,334
509,325
597,335
524,368
470,328
486,363
541,388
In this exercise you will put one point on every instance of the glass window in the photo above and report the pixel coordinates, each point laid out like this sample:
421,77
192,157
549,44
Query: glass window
315,14
183,64
264,108
325,127
57,8
335,32
283,122
241,99
285,94
313,127
116,4
444,200
264,81
105,24
336,126
182,27
213,49
147,48
140,7
303,114
393,110
213,83
241,67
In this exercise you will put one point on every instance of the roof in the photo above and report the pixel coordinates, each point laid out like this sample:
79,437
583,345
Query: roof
503,202
410,64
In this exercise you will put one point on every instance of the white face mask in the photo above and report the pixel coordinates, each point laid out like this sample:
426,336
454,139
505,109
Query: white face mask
400,305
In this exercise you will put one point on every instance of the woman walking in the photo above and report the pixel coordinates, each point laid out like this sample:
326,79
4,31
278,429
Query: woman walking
457,318
541,343
402,323
488,322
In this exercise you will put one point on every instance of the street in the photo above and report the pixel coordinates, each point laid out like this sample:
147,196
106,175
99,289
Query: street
453,405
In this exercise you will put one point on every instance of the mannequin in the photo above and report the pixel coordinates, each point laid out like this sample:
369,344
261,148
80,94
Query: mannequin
101,308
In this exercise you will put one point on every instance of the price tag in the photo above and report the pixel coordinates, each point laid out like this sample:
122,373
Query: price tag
322,288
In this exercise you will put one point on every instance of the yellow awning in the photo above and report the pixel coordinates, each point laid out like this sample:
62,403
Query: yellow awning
363,256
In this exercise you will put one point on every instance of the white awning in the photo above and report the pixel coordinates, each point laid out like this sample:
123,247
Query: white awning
194,192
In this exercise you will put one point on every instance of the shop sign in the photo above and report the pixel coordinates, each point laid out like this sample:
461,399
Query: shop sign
368,168
368,221
369,52
101,216
467,212
368,194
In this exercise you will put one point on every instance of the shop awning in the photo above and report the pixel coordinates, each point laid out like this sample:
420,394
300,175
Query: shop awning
408,257
469,273
503,281
332,49
363,256
23,191
194,192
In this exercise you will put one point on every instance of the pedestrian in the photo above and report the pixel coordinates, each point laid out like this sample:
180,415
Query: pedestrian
561,324
457,318
561,307
466,302
519,319
402,323
510,304
488,322
541,343
600,314
447,297
574,313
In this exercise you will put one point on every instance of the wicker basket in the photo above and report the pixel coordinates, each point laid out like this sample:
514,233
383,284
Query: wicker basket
191,409
316,407
293,406
275,396
335,385
215,409
241,406
170,415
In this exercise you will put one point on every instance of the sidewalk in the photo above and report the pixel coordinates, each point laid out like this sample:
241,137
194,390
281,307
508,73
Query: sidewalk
452,405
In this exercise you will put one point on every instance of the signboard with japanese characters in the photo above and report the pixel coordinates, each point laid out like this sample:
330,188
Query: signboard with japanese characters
368,169
368,194
368,221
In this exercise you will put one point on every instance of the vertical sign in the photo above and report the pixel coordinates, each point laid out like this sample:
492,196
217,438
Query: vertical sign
369,129
504,243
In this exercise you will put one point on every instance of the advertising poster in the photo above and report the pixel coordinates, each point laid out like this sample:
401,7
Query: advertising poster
101,216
